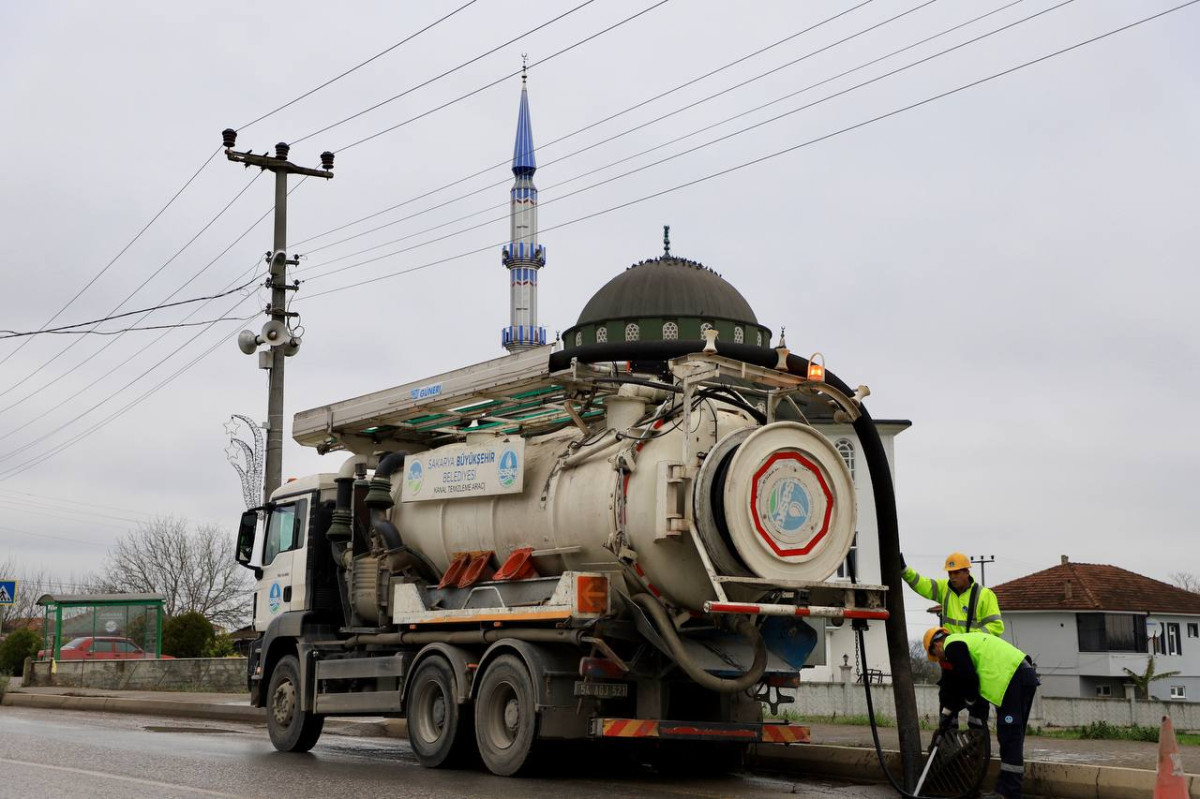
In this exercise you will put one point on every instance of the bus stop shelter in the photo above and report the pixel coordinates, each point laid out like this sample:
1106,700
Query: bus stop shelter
137,617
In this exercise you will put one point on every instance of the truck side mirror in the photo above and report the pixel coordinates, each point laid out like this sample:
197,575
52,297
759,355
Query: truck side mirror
245,538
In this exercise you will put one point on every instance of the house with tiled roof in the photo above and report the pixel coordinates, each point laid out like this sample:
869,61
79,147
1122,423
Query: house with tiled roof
1085,623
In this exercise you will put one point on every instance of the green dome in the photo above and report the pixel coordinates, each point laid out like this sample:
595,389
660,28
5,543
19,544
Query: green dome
666,298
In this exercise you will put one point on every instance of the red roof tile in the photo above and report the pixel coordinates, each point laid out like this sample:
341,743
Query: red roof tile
1094,586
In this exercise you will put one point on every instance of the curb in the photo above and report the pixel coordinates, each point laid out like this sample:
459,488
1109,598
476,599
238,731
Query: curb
1060,780
149,707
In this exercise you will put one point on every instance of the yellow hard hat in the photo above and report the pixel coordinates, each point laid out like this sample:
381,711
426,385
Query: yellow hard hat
956,561
932,634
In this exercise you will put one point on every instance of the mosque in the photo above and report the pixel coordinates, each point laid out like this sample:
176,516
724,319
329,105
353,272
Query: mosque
669,298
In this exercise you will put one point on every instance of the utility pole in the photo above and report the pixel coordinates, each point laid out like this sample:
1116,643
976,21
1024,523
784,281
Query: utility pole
276,333
983,562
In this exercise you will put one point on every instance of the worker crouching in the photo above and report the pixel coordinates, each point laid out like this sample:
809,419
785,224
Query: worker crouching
987,669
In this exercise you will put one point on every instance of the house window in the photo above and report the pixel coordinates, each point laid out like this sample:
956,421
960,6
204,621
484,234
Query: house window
846,449
739,335
1179,692
760,338
579,339
601,335
631,332
704,328
1111,632
670,332
850,564
1193,629
1104,690
1172,640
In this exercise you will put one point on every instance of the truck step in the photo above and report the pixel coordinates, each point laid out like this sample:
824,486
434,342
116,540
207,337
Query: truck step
360,702
359,668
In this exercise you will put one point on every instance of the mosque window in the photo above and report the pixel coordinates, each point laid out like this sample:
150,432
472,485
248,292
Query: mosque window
845,448
601,335
704,328
670,332
739,335
760,338
579,339
631,332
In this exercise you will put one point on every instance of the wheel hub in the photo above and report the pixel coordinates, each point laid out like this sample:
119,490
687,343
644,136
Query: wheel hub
283,703
512,715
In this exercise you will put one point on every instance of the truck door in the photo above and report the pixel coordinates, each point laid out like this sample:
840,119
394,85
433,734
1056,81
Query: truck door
283,562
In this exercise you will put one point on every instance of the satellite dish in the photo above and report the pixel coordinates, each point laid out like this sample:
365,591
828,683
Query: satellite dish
275,333
247,342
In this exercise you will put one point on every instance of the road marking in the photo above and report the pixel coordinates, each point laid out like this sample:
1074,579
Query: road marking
106,775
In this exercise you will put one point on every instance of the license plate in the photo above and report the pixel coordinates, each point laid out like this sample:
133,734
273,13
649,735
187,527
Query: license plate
602,690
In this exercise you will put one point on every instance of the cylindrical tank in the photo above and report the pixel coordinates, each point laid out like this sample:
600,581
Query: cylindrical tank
767,501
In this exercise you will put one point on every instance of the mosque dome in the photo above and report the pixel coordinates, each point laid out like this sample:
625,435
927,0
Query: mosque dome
667,298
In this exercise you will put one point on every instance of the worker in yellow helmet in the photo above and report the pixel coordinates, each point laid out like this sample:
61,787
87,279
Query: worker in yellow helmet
987,670
963,604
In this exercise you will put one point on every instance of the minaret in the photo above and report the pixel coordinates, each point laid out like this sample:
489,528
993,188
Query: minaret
523,256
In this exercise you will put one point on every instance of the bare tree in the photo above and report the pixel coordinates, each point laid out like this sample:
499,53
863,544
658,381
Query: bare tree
1186,580
923,670
193,569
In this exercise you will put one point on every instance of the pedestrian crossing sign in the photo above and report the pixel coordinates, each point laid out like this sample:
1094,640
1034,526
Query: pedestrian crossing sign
8,592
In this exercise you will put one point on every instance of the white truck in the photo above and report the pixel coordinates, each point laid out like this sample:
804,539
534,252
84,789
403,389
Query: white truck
559,546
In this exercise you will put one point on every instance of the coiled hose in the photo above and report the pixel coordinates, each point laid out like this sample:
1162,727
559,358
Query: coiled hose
725,685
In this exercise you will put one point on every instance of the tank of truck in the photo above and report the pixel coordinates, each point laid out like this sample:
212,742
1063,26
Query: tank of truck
773,501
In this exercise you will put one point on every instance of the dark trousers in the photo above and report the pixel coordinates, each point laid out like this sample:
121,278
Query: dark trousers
1011,718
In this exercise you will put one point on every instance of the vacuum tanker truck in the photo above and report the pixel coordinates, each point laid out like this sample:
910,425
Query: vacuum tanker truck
611,543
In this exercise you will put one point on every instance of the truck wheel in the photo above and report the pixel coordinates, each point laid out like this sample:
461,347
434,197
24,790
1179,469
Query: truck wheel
291,729
505,720
439,732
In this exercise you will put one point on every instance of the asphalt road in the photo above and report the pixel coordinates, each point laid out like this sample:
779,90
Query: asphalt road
75,754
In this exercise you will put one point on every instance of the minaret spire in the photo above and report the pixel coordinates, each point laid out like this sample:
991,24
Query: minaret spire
523,256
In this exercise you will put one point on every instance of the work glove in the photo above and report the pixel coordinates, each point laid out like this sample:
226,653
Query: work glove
946,721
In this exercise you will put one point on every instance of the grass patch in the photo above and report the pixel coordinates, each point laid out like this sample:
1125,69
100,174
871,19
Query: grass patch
1103,731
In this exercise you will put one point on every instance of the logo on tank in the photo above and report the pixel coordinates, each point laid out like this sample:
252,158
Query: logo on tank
788,505
508,468
414,478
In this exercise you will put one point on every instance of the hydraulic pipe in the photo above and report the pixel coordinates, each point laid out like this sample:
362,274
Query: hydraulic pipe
743,626
537,636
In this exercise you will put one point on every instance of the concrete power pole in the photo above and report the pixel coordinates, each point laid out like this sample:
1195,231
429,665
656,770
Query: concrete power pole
276,333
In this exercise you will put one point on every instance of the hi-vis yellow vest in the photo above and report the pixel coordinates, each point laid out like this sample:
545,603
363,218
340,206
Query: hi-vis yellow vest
995,659
955,606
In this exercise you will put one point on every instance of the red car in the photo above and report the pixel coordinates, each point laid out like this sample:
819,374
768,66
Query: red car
100,648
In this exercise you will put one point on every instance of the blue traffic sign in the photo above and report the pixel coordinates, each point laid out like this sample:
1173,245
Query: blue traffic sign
8,592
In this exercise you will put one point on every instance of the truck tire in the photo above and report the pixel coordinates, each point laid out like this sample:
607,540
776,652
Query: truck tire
505,719
439,731
291,729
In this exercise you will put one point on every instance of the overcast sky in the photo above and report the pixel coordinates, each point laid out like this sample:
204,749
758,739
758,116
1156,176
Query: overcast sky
1011,267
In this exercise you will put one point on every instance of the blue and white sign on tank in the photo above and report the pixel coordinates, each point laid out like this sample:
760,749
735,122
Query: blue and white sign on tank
459,471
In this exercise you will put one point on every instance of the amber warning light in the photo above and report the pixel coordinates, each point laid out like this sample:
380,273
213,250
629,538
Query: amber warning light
816,371
591,594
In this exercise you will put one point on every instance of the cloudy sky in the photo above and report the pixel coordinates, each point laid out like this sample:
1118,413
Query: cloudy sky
1011,267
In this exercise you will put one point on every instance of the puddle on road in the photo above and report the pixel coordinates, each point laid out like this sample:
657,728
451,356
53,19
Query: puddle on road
214,730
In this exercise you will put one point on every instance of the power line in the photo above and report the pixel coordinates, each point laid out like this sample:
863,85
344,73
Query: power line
688,151
359,66
113,260
207,161
500,80
588,127
777,153
55,537
646,124
57,501
450,71
120,330
116,308
67,328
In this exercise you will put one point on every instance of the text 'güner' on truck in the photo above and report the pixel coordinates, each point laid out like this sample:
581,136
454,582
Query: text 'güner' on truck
613,542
